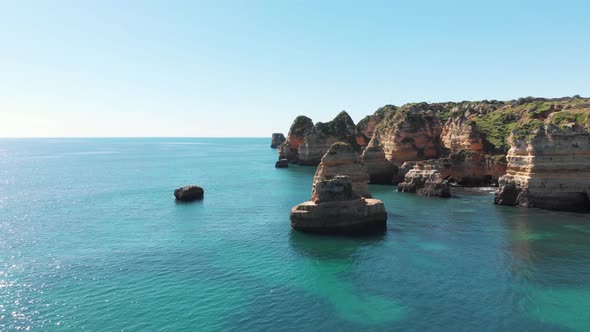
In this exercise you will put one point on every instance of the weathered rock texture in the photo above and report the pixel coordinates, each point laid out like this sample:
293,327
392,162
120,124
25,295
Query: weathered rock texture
366,127
282,163
336,208
426,181
410,133
381,170
290,148
319,139
467,144
277,139
549,163
341,159
464,168
460,133
189,193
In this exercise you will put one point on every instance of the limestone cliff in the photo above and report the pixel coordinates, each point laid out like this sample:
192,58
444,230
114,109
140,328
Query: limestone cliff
461,133
426,181
381,170
341,159
366,127
549,160
290,148
465,168
410,133
319,139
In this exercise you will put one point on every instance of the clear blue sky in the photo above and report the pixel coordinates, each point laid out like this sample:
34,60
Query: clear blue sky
247,68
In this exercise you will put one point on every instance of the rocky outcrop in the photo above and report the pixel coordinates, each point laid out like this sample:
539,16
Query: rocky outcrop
189,193
336,208
411,133
282,163
549,163
341,159
319,139
366,127
460,133
426,181
381,170
465,168
290,148
276,140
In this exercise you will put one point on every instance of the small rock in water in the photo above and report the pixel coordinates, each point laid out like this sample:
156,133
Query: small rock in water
189,193
282,163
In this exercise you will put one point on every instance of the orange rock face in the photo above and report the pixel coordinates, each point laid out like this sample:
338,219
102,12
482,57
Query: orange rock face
290,148
319,139
366,127
413,133
341,159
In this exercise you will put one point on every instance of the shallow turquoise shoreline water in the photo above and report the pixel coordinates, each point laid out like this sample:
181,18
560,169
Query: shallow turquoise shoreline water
91,238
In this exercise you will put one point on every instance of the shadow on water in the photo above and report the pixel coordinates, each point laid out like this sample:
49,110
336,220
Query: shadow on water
327,247
542,245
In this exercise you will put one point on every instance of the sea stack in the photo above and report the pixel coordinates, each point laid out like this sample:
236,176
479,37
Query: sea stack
276,140
341,159
340,200
335,208
319,139
290,148
189,193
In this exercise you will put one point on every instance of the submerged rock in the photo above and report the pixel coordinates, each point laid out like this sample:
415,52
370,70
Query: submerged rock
426,181
276,140
336,208
282,163
189,193
341,159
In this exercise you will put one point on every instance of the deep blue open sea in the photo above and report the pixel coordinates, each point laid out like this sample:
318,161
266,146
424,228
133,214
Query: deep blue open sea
92,239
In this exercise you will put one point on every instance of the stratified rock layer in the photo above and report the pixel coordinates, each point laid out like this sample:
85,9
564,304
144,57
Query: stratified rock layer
381,170
411,133
459,133
276,140
341,159
290,148
426,181
319,139
335,208
549,163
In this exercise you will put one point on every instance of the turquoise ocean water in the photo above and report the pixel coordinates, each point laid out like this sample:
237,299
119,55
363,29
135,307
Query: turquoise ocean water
92,239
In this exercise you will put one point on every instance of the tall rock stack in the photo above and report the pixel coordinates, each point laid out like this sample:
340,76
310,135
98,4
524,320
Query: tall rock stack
336,208
549,163
381,170
319,139
276,140
290,148
341,159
